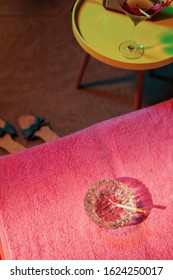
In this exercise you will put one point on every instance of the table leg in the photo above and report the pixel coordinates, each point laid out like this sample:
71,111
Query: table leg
83,66
138,89
152,72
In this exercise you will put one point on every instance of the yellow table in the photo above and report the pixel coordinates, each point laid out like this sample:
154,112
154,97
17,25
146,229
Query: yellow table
100,32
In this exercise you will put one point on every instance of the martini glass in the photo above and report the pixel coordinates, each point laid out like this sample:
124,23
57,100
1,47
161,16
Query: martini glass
138,11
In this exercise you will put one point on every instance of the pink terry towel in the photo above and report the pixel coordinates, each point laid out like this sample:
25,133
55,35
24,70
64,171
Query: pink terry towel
42,190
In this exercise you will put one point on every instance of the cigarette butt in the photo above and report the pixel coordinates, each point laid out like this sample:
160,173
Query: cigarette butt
129,207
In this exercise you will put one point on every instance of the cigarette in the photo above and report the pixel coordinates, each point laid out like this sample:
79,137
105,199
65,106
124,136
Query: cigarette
128,207
144,13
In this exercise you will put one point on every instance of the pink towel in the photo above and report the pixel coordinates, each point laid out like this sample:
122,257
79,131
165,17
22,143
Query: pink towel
42,190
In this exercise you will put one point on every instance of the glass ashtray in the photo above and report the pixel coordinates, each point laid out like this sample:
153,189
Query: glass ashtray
110,204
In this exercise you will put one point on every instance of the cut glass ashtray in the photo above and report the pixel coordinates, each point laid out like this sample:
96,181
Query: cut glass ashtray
110,204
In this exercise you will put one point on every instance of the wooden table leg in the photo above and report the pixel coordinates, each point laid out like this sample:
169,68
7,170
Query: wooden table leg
152,72
83,66
138,89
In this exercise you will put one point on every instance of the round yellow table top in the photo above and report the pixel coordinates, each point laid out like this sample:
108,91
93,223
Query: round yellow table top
100,32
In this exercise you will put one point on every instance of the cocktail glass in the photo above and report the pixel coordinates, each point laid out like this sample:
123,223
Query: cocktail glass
138,11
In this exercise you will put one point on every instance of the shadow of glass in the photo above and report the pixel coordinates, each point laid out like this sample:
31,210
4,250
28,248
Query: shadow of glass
166,43
143,199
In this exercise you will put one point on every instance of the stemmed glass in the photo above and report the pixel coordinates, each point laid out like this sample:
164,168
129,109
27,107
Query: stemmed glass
138,11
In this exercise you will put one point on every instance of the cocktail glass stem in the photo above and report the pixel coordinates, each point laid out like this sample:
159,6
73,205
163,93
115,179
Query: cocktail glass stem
131,49
132,46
